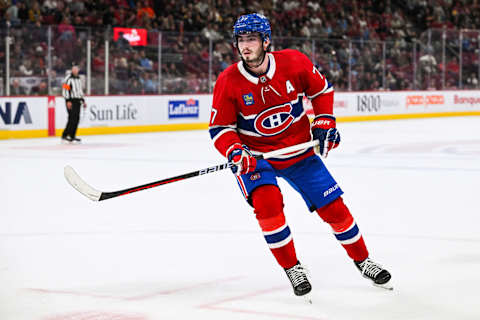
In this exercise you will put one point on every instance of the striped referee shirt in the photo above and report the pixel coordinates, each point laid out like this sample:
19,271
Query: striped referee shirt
72,88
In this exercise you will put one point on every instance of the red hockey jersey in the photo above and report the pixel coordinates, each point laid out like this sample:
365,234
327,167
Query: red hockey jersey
266,112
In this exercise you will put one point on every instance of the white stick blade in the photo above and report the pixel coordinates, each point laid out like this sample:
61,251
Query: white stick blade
80,185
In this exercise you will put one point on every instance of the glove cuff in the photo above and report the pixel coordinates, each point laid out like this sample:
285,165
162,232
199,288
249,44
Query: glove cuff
324,121
233,147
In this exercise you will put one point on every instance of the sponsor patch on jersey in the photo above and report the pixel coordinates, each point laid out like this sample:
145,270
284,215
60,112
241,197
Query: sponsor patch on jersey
248,99
183,109
255,176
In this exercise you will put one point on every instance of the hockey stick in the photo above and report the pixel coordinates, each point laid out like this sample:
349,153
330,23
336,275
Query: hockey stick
95,195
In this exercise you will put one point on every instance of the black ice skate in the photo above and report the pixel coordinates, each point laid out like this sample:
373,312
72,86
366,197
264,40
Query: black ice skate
76,140
374,271
298,277
67,139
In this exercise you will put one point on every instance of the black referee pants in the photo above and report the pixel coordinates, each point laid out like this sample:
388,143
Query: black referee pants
73,119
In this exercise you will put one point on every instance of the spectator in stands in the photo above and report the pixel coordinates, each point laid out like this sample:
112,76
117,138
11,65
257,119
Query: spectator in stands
120,16
211,32
391,82
135,87
472,81
56,83
49,6
109,16
77,7
38,61
34,14
78,21
16,89
122,44
26,68
172,70
58,65
197,46
428,65
335,74
6,22
225,62
66,30
41,89
22,12
144,62
144,9
121,75
201,7
12,12
147,82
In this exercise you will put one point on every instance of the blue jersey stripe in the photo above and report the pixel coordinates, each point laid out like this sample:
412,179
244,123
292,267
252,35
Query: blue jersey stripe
215,131
279,236
347,235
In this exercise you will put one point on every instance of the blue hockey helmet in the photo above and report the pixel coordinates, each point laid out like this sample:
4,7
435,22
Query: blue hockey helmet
253,22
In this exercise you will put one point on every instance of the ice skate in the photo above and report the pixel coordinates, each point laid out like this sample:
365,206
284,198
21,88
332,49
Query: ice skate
76,140
298,278
374,272
66,140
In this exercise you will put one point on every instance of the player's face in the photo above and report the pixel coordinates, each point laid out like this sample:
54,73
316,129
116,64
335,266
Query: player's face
251,48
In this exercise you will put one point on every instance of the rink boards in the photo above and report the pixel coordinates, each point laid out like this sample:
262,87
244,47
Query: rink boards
29,117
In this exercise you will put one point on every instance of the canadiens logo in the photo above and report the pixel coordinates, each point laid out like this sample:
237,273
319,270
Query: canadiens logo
248,99
274,120
255,176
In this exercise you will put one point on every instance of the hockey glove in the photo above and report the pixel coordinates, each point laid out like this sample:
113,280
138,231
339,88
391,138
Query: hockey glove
243,160
323,130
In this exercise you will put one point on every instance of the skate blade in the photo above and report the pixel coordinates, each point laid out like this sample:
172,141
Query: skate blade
308,298
386,286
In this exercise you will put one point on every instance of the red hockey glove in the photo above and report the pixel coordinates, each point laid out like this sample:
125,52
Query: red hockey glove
243,160
323,130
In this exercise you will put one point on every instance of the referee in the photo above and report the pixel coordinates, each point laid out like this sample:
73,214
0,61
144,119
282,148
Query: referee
74,98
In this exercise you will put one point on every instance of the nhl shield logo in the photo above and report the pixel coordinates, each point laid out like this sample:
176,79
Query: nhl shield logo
263,79
248,99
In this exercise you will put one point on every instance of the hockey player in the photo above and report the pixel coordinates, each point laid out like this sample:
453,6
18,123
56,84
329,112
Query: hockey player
257,107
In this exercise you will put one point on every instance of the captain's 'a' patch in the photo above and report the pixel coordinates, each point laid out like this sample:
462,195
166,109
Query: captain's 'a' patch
290,87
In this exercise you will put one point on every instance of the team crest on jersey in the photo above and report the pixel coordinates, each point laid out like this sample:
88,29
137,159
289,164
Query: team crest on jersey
248,99
274,120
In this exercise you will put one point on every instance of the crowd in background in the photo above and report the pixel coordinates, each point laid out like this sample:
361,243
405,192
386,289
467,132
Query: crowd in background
352,38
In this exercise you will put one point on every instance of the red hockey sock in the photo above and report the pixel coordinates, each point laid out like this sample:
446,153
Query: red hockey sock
268,203
344,228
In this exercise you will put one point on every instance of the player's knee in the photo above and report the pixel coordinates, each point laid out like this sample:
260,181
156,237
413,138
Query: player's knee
268,206
267,201
337,215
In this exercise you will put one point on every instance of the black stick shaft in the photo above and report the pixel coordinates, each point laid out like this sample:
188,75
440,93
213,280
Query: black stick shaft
113,194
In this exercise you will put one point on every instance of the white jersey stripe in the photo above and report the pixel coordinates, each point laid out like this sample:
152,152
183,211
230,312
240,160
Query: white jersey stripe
281,243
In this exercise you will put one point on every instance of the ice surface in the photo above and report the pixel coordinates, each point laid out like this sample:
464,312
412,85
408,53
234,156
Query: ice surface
193,249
